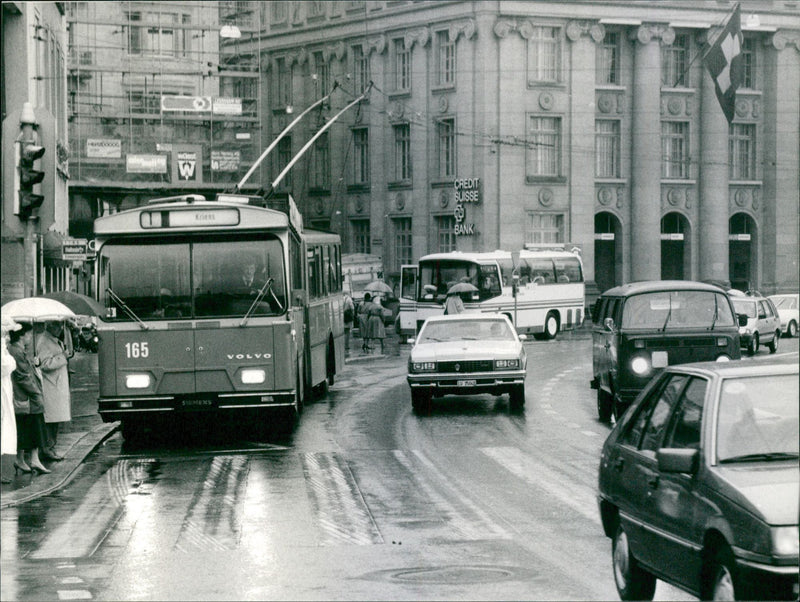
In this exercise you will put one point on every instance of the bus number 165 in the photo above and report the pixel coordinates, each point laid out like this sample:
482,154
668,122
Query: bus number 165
136,349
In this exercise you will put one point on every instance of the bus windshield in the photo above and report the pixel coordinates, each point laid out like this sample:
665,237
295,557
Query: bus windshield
438,275
194,278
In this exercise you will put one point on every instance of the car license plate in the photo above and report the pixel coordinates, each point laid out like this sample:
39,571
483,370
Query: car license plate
660,359
465,383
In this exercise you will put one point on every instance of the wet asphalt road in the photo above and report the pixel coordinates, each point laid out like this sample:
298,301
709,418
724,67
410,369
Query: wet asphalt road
365,500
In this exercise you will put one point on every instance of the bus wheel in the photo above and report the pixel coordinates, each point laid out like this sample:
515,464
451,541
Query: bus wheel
551,325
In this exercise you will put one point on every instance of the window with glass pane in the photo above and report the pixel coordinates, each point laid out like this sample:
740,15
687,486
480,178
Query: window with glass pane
446,59
545,228
282,84
361,74
322,71
360,156
284,155
134,33
446,136
360,233
742,150
675,149
402,152
674,68
748,58
545,54
607,60
543,151
606,148
321,163
402,241
402,65
446,226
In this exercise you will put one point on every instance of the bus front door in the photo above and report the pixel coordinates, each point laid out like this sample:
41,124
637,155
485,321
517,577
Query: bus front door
407,316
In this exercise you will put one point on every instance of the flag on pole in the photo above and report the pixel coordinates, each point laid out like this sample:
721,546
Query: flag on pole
725,63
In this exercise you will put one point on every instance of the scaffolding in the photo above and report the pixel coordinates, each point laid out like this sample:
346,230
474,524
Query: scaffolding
148,81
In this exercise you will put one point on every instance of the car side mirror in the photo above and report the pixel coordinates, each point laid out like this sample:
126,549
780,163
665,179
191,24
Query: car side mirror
677,460
411,340
522,337
609,324
742,319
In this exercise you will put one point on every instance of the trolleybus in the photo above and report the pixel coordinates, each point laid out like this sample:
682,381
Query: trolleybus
215,306
542,291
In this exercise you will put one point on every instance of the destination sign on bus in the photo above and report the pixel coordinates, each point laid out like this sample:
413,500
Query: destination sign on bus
190,218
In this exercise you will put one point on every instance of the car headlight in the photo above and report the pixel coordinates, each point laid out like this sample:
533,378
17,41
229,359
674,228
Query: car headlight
423,366
785,541
506,364
253,376
723,358
640,365
137,381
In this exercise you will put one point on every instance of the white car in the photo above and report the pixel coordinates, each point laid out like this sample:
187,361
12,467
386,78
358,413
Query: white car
467,354
763,323
787,306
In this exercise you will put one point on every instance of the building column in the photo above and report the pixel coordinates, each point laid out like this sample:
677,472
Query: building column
583,35
645,217
713,203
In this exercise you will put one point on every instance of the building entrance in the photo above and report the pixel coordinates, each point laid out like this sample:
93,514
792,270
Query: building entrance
607,251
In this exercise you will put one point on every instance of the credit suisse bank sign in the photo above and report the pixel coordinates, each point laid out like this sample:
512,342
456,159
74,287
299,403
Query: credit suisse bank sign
467,192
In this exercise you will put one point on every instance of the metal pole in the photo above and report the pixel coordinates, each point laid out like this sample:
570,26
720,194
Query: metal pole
280,136
27,122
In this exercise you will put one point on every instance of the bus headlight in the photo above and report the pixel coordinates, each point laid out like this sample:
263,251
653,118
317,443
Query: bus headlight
640,365
723,358
137,381
253,376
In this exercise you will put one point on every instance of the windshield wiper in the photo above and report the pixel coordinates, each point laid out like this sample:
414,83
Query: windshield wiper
118,300
716,314
261,293
762,457
669,313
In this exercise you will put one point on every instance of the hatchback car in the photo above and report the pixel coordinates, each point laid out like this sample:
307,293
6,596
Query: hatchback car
698,482
787,306
467,354
642,327
763,323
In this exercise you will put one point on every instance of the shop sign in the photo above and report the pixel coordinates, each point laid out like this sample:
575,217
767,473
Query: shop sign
187,163
74,249
225,160
104,148
227,106
146,163
193,104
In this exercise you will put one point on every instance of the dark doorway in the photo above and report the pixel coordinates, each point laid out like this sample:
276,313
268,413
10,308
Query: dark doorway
607,250
741,241
674,228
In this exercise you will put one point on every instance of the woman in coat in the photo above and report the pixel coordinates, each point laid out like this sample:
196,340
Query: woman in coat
375,327
28,406
8,434
55,383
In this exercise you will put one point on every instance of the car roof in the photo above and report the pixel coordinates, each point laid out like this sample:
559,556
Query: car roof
650,286
785,363
467,316
782,295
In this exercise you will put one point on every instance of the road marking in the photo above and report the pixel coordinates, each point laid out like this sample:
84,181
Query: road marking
341,512
578,497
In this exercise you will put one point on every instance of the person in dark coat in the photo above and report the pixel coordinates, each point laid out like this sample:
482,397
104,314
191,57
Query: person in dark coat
28,405
363,319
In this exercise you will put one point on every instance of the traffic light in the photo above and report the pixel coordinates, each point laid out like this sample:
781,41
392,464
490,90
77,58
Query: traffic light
29,176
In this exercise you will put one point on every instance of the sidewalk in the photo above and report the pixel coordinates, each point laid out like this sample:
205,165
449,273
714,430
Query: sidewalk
75,440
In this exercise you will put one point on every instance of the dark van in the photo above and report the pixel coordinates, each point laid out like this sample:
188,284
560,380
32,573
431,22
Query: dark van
642,327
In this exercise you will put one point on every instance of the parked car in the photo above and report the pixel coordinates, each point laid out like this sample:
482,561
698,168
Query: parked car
763,325
643,327
467,354
787,306
698,483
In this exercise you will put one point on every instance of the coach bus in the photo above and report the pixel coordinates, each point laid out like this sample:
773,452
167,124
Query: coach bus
219,305
550,291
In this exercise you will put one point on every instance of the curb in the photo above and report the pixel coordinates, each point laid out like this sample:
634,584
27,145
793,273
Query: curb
42,485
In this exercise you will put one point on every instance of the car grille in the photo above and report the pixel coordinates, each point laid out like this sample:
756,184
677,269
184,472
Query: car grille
466,366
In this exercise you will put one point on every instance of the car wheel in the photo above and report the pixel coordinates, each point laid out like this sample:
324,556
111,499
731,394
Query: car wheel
517,397
633,582
605,404
722,576
551,326
791,329
420,400
773,345
752,349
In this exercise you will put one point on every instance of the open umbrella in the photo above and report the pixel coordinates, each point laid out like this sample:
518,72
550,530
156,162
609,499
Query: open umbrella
462,287
36,309
379,286
79,304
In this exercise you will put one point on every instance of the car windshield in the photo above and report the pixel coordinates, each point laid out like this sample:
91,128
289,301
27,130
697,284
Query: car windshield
785,302
746,307
677,309
466,330
758,419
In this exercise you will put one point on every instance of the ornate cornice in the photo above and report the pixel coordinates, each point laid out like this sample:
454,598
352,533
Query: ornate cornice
465,26
420,34
337,50
647,32
783,38
378,44
593,29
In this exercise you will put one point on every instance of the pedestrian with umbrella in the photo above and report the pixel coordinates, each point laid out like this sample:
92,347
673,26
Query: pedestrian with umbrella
8,421
52,361
375,327
453,303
